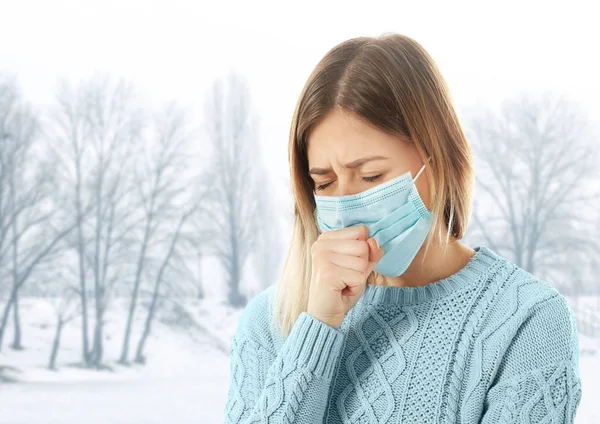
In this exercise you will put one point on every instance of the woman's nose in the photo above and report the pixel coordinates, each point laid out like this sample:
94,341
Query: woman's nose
346,187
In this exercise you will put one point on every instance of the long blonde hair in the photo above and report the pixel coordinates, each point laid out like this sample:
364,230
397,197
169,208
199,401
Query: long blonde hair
393,83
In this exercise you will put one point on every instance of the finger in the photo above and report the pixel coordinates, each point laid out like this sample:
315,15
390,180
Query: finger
355,232
375,251
355,284
357,248
352,292
375,255
351,262
351,278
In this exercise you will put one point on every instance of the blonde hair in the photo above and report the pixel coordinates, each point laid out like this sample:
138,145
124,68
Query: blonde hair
393,83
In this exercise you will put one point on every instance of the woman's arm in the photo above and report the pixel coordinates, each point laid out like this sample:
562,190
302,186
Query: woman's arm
538,377
550,394
296,386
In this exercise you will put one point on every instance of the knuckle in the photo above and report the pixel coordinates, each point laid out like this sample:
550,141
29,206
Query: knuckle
364,249
364,230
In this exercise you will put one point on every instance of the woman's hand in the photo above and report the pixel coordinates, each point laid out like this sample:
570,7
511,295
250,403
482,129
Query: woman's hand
341,262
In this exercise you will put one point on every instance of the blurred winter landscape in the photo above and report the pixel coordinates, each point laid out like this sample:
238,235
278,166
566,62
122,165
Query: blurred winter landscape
145,193
185,380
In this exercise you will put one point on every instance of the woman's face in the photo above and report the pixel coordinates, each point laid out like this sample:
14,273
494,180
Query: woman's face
339,148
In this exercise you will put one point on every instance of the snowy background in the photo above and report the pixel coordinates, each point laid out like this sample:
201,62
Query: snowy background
184,381
115,120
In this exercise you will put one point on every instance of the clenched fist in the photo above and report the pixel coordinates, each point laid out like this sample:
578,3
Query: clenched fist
341,262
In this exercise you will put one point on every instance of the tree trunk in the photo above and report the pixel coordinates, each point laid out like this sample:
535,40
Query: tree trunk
139,354
97,349
124,360
235,297
200,288
5,315
16,345
85,345
97,353
55,345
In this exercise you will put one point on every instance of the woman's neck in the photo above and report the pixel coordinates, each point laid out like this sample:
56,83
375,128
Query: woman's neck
436,265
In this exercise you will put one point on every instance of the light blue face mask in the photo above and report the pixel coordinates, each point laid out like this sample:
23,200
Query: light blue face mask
393,212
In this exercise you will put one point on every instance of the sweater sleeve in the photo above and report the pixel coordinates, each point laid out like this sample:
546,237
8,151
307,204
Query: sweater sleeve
297,381
538,377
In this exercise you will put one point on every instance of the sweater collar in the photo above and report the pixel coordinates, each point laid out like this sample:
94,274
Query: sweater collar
471,273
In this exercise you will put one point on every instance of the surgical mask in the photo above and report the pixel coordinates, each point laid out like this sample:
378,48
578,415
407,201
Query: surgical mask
393,212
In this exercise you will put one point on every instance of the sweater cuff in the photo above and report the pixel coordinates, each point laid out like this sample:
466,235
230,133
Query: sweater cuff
314,345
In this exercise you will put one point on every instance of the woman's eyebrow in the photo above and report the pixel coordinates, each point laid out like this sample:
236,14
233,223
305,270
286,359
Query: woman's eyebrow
354,164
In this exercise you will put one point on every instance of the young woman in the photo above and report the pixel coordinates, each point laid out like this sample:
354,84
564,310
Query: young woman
382,315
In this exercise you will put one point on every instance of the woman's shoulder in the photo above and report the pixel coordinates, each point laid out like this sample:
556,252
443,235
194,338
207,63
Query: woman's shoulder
518,298
520,289
520,338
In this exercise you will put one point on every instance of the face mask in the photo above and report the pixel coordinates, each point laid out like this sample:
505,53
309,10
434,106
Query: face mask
393,212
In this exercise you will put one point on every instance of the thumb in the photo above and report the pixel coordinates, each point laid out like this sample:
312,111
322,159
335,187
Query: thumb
375,254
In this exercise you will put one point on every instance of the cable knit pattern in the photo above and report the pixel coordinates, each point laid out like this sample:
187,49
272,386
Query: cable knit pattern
490,344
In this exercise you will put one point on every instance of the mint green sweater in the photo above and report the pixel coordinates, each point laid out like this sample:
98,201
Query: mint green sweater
490,344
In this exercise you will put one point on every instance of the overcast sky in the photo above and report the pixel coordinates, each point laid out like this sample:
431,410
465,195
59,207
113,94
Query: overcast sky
171,49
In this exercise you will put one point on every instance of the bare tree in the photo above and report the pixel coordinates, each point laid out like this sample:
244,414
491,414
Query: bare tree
64,314
29,226
535,159
64,298
159,278
267,254
162,176
115,130
229,210
69,131
98,126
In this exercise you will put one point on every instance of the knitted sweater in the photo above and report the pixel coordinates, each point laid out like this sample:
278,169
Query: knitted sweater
490,344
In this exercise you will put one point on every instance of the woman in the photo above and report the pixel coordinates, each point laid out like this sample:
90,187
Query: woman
382,314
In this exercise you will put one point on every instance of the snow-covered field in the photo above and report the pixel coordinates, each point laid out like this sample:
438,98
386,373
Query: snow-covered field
185,380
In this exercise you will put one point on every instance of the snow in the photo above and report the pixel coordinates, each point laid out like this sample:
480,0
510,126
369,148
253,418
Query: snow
185,380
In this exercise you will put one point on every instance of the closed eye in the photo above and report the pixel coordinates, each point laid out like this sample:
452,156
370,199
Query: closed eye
367,179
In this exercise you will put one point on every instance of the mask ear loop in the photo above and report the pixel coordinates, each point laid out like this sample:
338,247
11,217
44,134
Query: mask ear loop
421,170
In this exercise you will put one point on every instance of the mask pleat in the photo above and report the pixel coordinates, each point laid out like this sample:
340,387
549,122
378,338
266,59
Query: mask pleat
398,230
395,217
